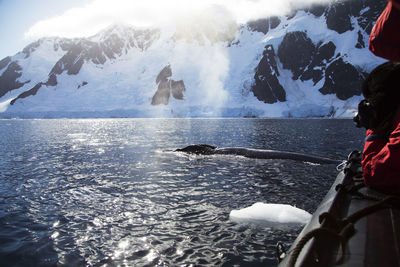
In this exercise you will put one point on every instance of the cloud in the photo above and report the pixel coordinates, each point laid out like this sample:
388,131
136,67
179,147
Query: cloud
91,18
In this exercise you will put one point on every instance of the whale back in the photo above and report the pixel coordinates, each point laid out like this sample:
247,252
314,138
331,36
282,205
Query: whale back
204,149
201,149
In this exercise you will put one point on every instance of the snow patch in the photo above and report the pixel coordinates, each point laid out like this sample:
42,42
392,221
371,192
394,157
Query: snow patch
4,105
218,77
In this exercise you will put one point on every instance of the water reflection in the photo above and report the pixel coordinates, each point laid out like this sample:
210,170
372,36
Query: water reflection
105,192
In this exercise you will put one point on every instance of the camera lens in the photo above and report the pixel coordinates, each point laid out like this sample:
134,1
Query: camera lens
356,120
363,117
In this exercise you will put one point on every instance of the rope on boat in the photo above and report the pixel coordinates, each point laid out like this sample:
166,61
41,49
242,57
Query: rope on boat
343,229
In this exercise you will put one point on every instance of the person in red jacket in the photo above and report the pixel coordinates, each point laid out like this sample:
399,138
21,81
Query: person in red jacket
384,40
379,113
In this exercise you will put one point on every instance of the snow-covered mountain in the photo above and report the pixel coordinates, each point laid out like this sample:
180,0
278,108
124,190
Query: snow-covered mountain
309,63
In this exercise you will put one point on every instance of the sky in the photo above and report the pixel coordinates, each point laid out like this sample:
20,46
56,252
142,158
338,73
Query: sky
17,16
24,21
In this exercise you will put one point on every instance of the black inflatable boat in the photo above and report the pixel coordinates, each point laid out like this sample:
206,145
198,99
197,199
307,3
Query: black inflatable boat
353,226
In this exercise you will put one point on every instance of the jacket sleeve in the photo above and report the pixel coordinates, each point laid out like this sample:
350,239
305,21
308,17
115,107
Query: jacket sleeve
396,3
384,40
381,160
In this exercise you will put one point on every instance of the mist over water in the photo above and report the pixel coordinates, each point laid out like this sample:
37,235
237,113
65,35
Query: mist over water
95,192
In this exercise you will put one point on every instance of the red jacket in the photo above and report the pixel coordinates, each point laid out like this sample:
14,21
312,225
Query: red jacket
384,40
381,160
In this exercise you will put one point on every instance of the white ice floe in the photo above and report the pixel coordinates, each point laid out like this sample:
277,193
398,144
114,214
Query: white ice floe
271,214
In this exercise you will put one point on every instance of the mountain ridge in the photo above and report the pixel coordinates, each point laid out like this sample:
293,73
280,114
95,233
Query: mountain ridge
309,63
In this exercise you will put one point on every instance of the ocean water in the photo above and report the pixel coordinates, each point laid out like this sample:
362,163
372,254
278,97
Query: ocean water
110,192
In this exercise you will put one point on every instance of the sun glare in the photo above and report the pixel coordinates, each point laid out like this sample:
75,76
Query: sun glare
89,19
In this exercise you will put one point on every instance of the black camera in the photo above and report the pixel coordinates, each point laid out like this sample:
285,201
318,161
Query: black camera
365,115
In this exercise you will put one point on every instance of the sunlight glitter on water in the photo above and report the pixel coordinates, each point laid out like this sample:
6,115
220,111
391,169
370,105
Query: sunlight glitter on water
122,200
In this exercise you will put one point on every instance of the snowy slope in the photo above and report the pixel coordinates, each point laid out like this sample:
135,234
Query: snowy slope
205,72
303,97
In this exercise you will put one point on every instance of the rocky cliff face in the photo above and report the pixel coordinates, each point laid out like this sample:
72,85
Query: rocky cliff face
309,63
267,87
166,86
317,59
264,25
9,79
107,45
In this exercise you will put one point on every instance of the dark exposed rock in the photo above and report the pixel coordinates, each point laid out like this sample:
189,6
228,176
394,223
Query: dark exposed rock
77,54
322,55
370,12
264,25
339,12
317,9
308,61
167,86
4,62
267,87
353,8
75,67
162,95
314,73
113,44
342,79
324,52
117,39
95,54
274,22
234,43
83,84
360,42
295,52
71,62
260,25
177,89
292,14
52,81
30,92
9,78
65,44
164,74
338,17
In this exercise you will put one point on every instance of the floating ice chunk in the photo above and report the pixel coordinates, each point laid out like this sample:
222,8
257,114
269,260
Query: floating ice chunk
272,214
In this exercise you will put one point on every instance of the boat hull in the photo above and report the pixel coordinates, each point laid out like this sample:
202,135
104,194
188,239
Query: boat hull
374,237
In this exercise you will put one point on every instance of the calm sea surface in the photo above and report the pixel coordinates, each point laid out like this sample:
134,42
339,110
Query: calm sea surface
109,192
